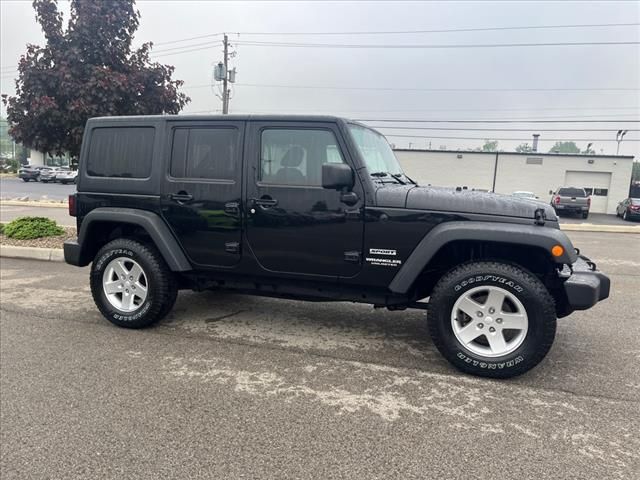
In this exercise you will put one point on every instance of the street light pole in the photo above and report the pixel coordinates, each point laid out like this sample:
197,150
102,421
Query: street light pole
619,136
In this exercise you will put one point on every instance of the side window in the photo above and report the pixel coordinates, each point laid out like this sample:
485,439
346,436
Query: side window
209,153
296,156
125,152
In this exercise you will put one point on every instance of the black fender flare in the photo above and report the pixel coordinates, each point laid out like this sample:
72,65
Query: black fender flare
151,222
516,234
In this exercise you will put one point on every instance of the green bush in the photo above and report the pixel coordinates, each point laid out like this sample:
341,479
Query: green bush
1,228
27,228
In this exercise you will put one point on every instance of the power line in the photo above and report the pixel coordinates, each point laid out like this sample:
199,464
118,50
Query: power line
428,46
418,89
208,45
405,32
471,29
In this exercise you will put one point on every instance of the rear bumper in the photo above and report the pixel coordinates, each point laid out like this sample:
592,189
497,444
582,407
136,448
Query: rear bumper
585,285
73,253
571,208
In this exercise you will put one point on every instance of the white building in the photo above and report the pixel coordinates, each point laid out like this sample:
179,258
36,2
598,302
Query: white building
606,177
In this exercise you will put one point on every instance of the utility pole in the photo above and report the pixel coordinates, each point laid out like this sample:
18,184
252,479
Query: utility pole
221,73
225,90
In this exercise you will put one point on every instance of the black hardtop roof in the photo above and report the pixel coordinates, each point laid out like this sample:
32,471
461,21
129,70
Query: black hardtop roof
232,117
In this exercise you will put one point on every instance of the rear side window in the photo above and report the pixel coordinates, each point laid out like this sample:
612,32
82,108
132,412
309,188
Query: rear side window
124,152
210,153
572,192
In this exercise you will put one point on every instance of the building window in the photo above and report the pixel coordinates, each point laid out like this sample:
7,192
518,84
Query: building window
601,192
534,161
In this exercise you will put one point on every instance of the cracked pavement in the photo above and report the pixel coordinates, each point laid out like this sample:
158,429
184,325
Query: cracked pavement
232,386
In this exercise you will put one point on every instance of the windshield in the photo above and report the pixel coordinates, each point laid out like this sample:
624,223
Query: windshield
376,151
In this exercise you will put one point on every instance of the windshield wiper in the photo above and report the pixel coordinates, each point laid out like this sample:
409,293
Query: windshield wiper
385,174
397,177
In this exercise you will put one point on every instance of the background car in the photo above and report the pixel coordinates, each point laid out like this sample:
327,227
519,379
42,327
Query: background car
523,194
67,176
50,174
27,173
571,200
629,209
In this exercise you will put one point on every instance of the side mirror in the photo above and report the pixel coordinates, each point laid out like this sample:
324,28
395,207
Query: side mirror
550,192
337,176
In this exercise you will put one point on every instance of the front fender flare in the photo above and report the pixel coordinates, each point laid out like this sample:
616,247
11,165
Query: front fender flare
516,234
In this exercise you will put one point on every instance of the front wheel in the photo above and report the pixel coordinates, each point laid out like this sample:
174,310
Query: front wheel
492,319
131,284
25,179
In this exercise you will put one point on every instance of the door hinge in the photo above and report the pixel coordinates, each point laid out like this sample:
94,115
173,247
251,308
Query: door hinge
352,256
232,247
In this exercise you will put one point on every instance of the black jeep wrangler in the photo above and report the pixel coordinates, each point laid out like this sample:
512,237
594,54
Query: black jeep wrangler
318,208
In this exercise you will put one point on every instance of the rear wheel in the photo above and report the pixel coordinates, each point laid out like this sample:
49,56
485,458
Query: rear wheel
25,179
585,215
131,284
492,319
625,216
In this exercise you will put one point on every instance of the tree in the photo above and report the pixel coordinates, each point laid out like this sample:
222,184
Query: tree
565,147
490,146
85,71
524,148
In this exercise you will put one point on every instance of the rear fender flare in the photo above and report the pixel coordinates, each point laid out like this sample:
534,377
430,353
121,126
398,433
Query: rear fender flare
151,222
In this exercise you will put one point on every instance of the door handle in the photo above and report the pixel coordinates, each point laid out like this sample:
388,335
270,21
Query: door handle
264,202
181,197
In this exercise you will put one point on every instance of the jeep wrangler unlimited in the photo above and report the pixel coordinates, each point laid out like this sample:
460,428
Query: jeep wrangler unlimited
318,208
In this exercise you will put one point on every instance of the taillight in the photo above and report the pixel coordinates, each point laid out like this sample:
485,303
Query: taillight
588,201
635,207
556,199
72,205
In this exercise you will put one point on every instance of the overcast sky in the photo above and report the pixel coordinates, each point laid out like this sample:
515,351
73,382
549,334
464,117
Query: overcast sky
560,67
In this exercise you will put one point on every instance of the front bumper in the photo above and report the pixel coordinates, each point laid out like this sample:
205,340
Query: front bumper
585,285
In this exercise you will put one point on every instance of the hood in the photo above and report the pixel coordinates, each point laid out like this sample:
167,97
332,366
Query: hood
463,201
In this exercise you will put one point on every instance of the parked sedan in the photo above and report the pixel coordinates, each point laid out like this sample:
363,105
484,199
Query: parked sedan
67,176
48,174
27,173
629,209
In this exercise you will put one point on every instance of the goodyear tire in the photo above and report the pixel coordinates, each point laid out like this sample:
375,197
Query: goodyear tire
492,319
131,284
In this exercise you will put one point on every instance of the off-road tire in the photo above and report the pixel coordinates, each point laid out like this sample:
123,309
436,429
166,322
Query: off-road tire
162,291
527,288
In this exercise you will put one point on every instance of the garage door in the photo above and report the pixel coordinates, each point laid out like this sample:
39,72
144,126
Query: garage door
596,184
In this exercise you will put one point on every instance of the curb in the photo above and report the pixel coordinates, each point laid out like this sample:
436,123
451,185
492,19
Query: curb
575,227
32,253
20,203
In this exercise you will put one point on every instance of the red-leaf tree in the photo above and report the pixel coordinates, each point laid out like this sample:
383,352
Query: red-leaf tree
85,71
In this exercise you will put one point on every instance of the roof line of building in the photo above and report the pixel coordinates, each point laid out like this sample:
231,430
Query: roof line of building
529,154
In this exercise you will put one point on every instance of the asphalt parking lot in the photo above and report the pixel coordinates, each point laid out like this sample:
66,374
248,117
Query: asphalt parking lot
12,187
231,386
